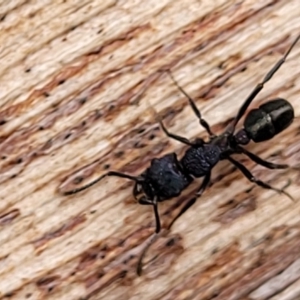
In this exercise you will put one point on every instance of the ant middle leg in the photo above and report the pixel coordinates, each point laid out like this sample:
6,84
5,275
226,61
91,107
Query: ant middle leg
175,136
192,201
258,182
261,161
195,109
154,236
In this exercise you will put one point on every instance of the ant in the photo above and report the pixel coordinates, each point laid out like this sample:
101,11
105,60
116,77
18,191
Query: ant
167,177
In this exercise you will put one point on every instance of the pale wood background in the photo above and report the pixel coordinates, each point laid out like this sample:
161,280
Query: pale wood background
71,75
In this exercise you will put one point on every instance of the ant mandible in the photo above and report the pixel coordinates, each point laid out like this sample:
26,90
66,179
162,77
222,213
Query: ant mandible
167,177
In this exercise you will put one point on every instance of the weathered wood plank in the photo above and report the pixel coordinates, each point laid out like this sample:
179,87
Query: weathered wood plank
78,79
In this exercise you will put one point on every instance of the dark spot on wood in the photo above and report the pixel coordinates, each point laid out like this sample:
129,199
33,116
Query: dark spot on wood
2,122
19,160
151,136
141,130
78,179
9,294
83,123
47,284
123,273
119,154
27,70
67,135
82,100
139,145
106,166
62,81
216,293
8,217
47,145
222,65
111,107
235,209
170,242
90,257
68,226
214,251
2,18
46,94
99,31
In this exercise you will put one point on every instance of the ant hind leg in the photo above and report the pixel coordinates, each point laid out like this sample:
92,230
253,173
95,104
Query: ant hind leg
262,162
258,182
192,201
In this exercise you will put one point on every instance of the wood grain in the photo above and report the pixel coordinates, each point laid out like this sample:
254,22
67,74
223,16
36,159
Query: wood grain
78,80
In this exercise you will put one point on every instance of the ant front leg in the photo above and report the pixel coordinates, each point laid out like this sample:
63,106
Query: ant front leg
258,182
195,109
110,173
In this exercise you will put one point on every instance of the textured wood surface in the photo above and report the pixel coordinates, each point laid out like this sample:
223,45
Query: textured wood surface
78,79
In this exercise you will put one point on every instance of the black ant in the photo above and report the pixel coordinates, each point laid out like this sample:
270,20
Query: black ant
167,176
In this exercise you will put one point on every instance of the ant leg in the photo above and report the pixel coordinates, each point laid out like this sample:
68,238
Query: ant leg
152,239
261,161
169,134
259,87
258,182
145,201
174,136
111,173
196,111
192,201
154,236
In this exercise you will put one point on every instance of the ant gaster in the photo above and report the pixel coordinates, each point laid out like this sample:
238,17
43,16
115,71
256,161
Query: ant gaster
167,177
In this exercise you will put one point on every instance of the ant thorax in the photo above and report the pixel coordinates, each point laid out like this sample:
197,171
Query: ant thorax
199,160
